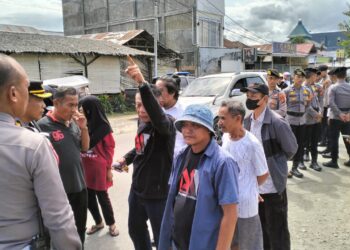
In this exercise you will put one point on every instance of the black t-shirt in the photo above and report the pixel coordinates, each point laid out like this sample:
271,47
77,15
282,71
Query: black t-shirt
185,202
66,142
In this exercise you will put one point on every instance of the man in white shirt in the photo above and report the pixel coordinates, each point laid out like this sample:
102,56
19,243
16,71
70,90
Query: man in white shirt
170,94
249,154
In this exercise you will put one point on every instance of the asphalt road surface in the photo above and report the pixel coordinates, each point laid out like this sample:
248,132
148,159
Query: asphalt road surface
319,204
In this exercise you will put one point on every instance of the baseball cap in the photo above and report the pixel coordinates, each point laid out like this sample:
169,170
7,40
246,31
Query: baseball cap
197,114
36,89
256,88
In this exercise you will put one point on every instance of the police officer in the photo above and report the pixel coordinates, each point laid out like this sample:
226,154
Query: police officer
313,117
298,99
323,74
339,104
277,98
325,138
281,83
36,105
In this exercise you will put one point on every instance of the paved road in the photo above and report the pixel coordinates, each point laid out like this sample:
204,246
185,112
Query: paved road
319,213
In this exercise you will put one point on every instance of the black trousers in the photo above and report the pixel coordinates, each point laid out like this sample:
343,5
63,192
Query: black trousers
324,127
141,210
299,132
273,214
312,133
105,204
335,127
78,202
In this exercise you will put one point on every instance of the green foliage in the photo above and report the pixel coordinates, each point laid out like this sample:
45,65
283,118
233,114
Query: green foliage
297,40
114,103
346,27
106,103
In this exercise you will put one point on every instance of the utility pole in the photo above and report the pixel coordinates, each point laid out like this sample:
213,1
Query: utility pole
156,29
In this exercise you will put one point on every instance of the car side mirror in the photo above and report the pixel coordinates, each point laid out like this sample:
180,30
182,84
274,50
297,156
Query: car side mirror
235,92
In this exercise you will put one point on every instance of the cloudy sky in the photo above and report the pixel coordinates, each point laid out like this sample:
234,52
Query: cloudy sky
271,20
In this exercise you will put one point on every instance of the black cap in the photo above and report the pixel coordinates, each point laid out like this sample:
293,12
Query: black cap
331,72
340,71
310,70
36,88
299,72
257,88
322,68
273,72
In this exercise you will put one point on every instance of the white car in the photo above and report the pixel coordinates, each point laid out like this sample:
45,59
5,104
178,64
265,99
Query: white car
211,90
80,83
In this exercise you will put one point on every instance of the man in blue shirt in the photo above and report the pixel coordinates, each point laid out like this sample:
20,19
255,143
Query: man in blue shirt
201,209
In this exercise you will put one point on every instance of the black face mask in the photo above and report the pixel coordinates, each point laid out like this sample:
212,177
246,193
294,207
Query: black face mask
252,104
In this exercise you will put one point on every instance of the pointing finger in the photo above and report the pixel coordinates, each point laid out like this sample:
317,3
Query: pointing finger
130,60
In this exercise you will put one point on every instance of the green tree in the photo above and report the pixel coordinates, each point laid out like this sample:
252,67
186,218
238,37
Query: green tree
297,40
345,26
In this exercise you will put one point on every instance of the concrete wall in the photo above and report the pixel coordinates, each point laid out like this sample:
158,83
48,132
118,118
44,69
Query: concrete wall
177,27
216,60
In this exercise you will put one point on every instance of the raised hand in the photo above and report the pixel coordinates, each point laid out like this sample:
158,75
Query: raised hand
80,120
134,71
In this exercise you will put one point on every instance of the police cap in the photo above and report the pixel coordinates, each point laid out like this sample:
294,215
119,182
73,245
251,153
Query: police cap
36,89
273,72
331,72
310,70
340,71
299,72
322,68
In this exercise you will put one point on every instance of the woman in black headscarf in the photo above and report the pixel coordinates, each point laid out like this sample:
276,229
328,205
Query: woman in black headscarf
97,164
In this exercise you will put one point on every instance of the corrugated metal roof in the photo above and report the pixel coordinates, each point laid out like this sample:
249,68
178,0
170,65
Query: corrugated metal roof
120,38
27,42
234,44
305,48
329,39
18,29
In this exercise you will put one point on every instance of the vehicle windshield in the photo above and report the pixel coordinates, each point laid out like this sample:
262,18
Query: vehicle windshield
210,86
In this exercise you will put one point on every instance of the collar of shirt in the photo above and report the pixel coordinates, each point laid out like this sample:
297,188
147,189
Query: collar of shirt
341,82
4,117
260,118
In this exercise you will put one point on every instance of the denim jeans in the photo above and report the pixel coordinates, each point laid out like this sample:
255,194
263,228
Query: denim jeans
141,210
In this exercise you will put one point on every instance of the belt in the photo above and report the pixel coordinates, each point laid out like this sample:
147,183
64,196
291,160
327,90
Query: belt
297,114
345,109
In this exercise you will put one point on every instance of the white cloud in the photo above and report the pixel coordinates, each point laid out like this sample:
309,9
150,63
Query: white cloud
273,20
41,14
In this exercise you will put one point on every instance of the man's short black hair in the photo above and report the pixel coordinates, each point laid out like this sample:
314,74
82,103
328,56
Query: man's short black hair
172,84
155,91
62,92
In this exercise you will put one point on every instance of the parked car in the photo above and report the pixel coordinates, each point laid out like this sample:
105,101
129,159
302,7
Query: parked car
211,90
80,83
185,77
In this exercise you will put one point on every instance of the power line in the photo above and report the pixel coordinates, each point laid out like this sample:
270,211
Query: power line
246,36
260,38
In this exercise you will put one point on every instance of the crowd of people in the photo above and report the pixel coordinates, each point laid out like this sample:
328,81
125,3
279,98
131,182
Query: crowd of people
195,193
